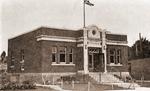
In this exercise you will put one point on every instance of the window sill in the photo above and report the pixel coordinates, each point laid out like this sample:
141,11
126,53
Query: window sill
114,64
12,66
53,64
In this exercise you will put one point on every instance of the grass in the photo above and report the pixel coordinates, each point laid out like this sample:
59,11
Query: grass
37,89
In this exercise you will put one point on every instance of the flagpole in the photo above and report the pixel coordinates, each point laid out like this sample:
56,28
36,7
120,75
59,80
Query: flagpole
85,50
83,14
85,47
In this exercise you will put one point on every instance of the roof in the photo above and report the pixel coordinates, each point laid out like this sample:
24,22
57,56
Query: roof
59,32
54,32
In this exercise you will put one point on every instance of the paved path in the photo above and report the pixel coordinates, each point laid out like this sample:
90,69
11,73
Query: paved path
136,89
55,87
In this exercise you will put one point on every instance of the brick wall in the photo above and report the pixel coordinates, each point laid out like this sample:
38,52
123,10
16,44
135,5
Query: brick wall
124,58
116,37
38,56
59,32
80,61
47,57
37,53
31,47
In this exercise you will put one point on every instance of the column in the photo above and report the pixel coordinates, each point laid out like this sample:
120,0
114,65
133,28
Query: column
85,51
104,50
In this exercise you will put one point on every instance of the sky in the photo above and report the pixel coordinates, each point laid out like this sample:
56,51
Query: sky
129,17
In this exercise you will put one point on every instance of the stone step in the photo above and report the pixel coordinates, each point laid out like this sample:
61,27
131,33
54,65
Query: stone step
110,79
101,77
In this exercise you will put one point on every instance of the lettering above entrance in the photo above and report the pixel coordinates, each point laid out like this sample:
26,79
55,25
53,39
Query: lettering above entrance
94,32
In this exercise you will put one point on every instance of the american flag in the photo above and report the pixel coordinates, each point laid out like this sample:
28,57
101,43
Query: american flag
88,3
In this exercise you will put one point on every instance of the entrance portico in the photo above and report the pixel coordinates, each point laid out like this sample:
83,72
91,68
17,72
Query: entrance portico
94,49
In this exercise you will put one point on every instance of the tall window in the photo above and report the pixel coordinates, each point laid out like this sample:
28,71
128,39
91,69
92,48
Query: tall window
118,55
71,55
54,51
62,54
22,60
115,56
12,63
112,56
22,55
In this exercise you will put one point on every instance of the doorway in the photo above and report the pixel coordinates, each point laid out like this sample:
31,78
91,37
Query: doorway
91,63
95,60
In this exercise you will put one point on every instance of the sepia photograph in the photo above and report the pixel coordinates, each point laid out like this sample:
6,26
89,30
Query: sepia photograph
74,45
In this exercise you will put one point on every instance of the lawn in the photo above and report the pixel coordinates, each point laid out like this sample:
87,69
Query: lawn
37,89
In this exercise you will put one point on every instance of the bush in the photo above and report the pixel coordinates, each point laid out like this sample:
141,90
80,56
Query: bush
13,86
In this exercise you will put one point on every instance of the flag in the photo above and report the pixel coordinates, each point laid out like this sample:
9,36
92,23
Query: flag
88,3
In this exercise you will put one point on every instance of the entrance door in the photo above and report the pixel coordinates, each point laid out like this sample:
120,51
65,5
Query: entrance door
95,60
91,66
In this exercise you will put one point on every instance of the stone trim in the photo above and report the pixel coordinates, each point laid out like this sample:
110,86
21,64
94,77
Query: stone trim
112,64
56,38
63,64
110,42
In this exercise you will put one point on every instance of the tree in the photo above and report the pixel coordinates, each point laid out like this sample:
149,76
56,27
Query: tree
140,49
3,55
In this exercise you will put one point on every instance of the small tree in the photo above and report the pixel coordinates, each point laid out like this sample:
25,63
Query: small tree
140,49
3,55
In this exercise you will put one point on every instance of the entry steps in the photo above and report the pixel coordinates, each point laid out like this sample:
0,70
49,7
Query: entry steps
104,78
110,79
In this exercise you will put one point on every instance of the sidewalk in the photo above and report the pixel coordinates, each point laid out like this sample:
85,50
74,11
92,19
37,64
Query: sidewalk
55,87
136,89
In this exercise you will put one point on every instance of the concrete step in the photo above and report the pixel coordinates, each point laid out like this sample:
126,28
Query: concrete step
103,77
110,79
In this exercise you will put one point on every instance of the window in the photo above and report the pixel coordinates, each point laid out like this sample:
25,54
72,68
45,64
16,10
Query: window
94,32
54,51
22,56
112,56
62,55
90,58
22,67
53,57
71,55
118,55
12,63
115,56
22,60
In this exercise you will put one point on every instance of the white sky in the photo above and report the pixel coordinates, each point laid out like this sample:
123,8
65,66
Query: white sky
119,16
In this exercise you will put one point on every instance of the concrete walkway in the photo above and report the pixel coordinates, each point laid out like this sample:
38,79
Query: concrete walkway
55,87
136,89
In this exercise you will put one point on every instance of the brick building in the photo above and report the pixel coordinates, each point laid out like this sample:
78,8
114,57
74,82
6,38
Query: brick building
51,50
